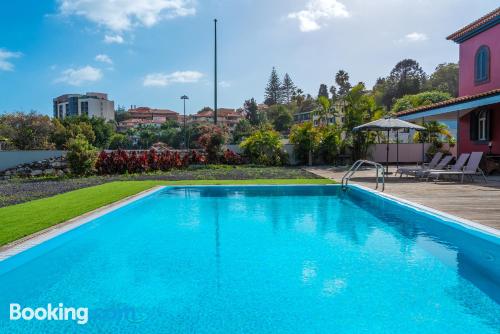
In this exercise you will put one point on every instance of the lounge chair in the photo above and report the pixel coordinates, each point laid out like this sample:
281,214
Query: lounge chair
442,165
471,169
413,169
459,164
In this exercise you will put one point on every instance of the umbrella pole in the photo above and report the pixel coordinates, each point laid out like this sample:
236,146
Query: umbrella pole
397,149
387,154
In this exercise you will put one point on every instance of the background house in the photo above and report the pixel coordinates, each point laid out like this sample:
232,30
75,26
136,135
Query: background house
477,108
90,104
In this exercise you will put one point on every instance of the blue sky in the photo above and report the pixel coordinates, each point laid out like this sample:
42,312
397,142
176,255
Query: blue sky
151,52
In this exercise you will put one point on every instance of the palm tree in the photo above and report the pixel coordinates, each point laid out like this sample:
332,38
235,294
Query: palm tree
434,133
324,109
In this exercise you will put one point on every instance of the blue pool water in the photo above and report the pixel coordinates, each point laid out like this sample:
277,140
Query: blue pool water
291,259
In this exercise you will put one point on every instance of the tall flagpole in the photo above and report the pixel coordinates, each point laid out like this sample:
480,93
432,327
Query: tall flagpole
215,74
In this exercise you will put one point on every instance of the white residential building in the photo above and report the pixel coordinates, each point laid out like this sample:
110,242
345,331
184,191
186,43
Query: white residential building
90,104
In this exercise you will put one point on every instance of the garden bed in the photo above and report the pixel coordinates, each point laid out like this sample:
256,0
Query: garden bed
17,191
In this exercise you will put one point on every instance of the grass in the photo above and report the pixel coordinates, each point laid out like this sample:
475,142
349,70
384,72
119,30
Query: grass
20,190
20,220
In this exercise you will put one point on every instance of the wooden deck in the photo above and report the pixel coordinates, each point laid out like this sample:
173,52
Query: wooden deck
475,201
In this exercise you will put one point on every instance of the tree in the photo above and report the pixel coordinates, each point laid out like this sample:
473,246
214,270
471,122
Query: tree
445,79
81,155
288,89
252,111
103,131
342,80
280,117
334,94
306,138
435,133
273,94
212,139
360,108
119,141
323,91
242,130
264,147
418,100
324,109
331,143
406,78
29,131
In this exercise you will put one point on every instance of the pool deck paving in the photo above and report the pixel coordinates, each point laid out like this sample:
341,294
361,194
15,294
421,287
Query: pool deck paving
475,201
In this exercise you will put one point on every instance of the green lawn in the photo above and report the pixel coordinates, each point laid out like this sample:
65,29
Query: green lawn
17,221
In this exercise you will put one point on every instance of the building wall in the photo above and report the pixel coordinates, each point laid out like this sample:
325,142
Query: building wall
491,38
97,107
465,145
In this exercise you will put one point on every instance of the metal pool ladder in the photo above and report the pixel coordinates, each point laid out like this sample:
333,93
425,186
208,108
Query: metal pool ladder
354,168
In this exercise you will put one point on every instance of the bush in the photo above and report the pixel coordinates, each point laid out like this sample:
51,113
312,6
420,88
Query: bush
306,138
264,147
232,158
120,162
81,156
119,141
420,99
211,139
331,142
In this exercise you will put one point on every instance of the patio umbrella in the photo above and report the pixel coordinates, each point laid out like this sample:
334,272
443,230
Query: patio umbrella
389,124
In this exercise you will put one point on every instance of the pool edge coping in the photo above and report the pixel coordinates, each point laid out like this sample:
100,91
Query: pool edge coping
20,245
467,224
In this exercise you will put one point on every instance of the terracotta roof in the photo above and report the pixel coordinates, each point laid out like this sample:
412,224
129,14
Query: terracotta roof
147,110
488,18
449,102
222,112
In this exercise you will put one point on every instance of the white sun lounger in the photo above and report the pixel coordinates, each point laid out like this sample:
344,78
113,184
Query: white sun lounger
413,169
471,169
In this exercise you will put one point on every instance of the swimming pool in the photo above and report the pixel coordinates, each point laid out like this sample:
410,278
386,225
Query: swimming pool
261,259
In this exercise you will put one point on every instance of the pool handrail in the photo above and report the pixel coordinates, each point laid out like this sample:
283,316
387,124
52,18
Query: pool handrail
354,168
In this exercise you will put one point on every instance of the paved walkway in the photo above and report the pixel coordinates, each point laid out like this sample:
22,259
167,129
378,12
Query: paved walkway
475,201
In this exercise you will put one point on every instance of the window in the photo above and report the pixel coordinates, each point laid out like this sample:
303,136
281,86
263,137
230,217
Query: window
482,125
482,65
84,107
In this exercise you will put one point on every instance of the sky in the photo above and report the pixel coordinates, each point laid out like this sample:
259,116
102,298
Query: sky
151,52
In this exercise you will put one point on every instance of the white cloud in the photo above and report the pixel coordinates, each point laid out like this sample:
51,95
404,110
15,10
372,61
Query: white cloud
415,37
79,76
120,15
225,84
5,56
163,79
110,39
104,59
317,11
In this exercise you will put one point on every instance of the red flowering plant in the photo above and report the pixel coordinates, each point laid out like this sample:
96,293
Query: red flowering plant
212,139
232,158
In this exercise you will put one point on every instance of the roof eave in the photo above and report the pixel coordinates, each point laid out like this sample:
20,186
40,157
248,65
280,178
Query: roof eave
462,105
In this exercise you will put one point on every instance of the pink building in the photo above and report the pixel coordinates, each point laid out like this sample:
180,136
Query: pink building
477,108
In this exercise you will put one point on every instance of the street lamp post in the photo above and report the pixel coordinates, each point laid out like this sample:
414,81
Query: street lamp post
184,98
215,71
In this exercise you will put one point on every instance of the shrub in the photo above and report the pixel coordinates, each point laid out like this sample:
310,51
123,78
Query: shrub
120,162
330,144
119,141
264,147
420,99
81,156
232,158
212,139
306,138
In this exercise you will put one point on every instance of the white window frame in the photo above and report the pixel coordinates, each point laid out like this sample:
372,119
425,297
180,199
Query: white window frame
481,123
